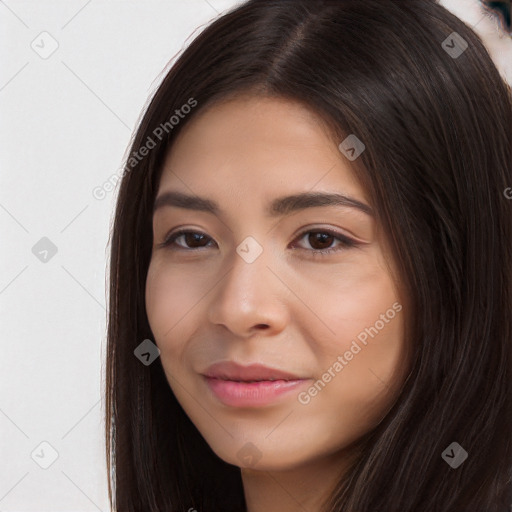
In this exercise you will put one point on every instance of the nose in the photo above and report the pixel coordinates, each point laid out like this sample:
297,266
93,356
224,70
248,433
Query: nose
250,297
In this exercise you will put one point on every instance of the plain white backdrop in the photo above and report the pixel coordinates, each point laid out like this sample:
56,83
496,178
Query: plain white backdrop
75,76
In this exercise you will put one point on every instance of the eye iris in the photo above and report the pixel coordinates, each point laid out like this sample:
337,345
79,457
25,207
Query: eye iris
190,238
322,238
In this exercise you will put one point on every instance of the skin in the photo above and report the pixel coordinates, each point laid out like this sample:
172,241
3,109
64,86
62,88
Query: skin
287,309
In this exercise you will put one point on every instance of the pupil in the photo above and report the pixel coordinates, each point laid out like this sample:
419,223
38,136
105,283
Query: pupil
322,238
193,237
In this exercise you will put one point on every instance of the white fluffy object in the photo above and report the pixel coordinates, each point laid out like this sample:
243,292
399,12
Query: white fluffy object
488,26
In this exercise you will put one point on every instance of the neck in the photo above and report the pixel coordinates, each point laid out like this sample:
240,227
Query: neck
302,488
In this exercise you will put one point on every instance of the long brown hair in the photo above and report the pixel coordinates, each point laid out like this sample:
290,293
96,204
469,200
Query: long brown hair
436,119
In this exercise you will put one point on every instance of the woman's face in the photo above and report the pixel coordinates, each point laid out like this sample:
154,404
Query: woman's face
252,286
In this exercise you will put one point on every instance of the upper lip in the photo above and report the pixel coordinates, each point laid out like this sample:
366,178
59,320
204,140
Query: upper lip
232,371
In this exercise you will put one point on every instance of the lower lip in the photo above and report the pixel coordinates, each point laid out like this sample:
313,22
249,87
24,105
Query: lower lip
251,394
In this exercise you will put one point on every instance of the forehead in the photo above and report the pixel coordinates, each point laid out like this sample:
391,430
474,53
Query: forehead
257,145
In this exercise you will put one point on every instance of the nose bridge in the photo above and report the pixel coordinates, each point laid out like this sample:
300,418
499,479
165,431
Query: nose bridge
247,295
248,281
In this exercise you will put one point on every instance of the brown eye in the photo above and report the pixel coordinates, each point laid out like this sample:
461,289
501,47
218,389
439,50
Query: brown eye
194,238
321,241
190,239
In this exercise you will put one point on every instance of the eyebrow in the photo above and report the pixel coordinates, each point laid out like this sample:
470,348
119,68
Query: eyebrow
278,207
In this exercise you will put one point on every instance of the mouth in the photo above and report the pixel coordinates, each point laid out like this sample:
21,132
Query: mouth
250,386
270,379
229,370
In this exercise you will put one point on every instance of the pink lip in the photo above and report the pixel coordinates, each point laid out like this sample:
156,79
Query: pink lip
234,384
233,371
251,394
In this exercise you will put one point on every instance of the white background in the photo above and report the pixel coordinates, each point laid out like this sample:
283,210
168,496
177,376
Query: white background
65,124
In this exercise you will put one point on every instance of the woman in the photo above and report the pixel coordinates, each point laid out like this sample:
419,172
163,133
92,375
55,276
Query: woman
311,269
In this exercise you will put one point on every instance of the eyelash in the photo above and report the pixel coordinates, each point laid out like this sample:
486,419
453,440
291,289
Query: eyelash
345,242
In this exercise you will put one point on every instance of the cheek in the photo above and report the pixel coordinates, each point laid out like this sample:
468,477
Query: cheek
358,381
365,320
349,300
370,309
170,300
